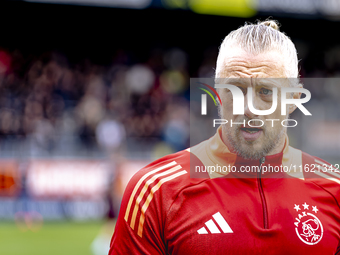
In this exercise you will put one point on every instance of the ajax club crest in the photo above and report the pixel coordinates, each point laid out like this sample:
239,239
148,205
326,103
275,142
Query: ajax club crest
307,226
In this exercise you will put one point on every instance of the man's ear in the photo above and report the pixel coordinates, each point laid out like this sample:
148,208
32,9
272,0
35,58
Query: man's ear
296,95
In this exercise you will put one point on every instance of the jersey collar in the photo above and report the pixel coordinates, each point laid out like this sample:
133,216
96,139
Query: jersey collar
214,152
219,154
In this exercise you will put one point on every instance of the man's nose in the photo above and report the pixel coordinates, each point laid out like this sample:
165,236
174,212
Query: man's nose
247,111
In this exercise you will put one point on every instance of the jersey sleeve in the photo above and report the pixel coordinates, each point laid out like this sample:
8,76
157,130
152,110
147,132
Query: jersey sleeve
147,197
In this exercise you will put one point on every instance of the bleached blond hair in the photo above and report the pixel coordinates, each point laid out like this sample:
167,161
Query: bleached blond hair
260,38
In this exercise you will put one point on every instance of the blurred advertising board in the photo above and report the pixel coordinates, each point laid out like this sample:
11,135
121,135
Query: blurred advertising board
67,179
249,8
233,8
10,178
62,189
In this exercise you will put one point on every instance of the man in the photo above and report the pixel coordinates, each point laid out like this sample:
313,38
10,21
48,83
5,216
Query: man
164,211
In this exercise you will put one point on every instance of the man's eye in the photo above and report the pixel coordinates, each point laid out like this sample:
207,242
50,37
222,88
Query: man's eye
244,90
266,92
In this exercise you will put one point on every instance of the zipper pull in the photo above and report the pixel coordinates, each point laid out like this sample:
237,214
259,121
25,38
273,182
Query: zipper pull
262,160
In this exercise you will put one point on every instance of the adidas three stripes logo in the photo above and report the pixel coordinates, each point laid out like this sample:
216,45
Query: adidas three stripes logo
210,224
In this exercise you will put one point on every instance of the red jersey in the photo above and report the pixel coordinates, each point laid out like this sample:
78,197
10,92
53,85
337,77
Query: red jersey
166,211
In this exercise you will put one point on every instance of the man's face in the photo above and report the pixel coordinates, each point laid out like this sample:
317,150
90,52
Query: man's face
257,72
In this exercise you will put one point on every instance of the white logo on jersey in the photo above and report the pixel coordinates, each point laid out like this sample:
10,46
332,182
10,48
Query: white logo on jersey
307,226
221,222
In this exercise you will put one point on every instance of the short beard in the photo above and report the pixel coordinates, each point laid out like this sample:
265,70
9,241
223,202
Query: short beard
246,149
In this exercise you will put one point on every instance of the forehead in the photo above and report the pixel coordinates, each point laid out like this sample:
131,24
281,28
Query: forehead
241,64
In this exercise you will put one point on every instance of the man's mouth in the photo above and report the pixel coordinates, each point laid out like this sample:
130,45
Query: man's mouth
251,130
250,133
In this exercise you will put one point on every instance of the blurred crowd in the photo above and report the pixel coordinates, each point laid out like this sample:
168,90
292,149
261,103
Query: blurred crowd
51,106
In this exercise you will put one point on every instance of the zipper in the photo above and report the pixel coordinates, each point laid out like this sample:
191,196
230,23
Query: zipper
263,198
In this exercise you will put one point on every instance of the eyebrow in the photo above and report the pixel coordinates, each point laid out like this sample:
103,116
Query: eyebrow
233,81
270,82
